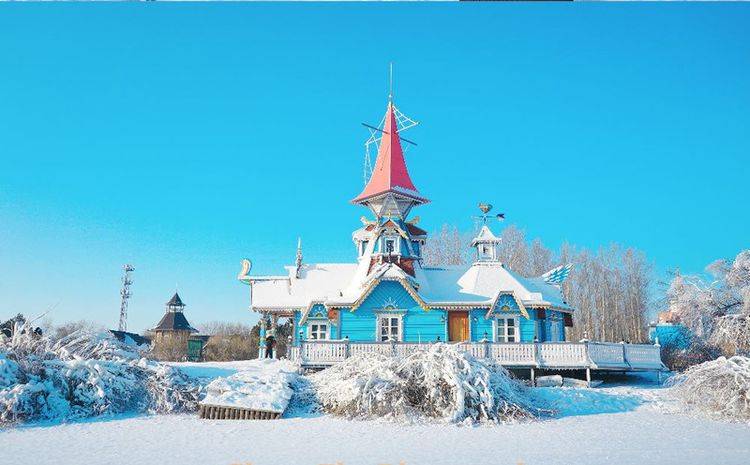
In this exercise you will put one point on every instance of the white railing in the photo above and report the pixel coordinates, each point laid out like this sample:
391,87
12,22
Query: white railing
560,355
513,353
643,356
604,355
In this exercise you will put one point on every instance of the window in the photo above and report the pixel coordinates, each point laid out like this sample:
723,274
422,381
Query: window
390,246
364,247
389,328
318,331
507,330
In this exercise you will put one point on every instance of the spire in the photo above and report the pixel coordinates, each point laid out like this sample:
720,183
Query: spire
298,261
175,303
390,174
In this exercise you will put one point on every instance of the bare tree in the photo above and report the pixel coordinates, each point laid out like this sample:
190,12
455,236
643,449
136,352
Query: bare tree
609,288
447,247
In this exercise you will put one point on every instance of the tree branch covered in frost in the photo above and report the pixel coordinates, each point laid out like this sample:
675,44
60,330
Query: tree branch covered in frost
718,312
84,374
720,387
437,382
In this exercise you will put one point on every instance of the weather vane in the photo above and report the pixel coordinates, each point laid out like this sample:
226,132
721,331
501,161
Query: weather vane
485,208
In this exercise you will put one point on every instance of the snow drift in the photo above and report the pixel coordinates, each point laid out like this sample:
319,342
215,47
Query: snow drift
720,388
266,385
439,382
83,375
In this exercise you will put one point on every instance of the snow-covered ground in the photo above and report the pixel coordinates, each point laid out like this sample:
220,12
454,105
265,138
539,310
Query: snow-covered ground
624,424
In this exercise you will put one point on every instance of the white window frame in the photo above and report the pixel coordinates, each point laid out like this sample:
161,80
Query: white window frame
310,324
516,327
384,315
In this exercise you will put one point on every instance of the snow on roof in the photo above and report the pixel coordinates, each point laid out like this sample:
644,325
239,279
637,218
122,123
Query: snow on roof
485,235
340,284
317,282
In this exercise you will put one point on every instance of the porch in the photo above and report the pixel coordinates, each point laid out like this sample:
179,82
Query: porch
545,355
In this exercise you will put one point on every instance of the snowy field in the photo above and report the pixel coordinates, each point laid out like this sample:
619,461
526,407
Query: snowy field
625,424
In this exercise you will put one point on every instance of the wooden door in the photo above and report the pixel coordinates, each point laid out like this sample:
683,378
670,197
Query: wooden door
458,326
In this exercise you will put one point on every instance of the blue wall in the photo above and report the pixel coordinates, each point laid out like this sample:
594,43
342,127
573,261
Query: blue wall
418,324
671,335
423,325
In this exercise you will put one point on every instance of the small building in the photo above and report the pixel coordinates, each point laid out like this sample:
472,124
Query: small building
130,338
174,334
669,332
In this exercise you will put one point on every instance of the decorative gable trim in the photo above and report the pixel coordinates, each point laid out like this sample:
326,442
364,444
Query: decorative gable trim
404,283
518,302
306,311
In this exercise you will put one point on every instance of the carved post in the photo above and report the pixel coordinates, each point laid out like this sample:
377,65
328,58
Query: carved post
274,327
262,337
347,350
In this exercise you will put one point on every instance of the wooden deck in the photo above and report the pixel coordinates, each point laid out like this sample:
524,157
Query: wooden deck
546,355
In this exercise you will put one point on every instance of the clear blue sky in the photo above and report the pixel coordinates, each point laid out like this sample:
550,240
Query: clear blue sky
181,138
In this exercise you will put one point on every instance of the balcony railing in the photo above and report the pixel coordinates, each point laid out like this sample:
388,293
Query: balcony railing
553,355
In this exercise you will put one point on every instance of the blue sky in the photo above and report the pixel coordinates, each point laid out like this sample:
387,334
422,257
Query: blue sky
182,138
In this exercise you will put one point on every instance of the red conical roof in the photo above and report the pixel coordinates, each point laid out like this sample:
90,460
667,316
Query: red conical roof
390,173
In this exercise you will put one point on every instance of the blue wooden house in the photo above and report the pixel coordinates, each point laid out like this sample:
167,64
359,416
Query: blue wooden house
388,295
387,301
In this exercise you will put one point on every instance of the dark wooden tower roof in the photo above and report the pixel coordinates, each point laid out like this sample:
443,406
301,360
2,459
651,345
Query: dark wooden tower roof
174,321
175,301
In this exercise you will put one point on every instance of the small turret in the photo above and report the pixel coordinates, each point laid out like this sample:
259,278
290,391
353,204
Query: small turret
486,244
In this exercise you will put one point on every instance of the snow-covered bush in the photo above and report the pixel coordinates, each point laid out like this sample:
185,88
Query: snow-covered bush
84,374
720,387
437,382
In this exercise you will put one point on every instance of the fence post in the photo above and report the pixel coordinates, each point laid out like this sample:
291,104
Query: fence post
486,348
624,354
393,347
347,350
536,353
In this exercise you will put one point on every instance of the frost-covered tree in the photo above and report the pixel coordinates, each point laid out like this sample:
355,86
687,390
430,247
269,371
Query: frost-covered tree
717,311
609,288
446,247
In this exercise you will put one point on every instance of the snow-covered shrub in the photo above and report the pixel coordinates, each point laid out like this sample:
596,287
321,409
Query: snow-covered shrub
84,374
437,382
680,359
720,387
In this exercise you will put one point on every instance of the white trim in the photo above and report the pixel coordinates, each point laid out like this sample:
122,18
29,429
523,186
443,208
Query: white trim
318,322
516,327
388,313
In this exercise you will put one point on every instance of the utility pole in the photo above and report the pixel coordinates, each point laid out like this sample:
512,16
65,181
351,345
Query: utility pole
125,295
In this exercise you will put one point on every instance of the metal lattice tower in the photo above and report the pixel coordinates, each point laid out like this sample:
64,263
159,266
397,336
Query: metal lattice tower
125,294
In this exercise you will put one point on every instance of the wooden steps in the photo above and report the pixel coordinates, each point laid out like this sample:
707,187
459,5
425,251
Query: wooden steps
218,412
